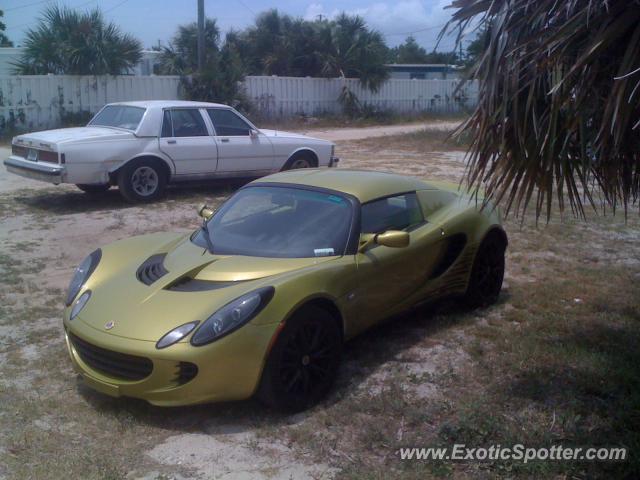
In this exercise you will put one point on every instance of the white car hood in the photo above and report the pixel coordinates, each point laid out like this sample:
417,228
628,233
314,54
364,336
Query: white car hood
280,133
63,135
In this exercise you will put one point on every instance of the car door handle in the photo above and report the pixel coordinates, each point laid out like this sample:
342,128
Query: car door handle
171,141
224,140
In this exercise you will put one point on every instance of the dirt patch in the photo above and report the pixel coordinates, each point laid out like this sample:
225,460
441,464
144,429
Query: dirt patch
433,376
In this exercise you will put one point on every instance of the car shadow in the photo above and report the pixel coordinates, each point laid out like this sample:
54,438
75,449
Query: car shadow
362,356
64,202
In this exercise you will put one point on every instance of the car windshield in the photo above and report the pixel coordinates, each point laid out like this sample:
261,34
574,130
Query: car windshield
119,116
280,222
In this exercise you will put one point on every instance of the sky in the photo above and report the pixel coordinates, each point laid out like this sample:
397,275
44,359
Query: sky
154,21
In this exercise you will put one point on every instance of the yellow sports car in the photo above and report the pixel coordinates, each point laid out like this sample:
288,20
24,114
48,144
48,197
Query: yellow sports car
261,297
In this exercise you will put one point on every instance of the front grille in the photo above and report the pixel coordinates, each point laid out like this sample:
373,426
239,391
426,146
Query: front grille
114,364
152,269
187,371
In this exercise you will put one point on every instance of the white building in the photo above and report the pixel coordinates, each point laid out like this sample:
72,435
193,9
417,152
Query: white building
424,71
10,55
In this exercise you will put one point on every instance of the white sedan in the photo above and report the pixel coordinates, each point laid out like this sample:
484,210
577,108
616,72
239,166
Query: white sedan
143,146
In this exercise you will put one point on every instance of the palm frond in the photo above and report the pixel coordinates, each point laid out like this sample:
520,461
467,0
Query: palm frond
559,104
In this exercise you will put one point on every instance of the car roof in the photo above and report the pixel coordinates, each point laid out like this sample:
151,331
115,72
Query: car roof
170,103
363,184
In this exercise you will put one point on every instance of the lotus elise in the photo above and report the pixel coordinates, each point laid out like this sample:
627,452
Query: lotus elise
260,299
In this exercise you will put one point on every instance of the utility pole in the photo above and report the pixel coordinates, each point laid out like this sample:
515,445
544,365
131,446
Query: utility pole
200,35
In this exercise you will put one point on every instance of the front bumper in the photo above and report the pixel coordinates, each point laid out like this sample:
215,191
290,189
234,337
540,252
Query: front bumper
228,369
45,172
333,162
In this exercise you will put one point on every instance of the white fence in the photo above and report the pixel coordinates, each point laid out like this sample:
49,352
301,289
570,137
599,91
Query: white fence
36,102
287,96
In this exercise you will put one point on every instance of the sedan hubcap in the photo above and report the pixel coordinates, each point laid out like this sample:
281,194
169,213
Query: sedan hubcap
300,163
144,181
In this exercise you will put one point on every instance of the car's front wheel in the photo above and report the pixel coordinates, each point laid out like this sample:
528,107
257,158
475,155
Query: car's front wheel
94,188
300,160
142,180
304,361
487,272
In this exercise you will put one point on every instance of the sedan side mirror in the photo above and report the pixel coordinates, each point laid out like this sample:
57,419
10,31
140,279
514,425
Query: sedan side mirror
253,133
205,212
390,238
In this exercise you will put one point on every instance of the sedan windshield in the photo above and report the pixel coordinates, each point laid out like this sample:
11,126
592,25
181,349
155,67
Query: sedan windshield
279,222
119,116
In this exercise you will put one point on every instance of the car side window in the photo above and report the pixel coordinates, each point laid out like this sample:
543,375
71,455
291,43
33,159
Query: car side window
188,122
401,212
167,127
227,123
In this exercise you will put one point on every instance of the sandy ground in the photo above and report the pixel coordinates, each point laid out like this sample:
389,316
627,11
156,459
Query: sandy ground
344,134
45,231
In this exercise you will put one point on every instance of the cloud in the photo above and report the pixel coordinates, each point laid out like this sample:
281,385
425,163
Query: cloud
424,19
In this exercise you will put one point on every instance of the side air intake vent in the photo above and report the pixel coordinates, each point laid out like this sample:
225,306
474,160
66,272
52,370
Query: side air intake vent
455,245
152,269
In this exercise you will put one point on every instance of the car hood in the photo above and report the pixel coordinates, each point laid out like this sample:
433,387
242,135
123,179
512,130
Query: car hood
146,312
63,135
281,134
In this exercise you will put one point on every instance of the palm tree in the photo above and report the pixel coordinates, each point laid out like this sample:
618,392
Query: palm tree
348,49
558,115
181,56
73,43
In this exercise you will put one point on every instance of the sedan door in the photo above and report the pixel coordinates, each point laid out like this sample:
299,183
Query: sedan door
186,139
241,148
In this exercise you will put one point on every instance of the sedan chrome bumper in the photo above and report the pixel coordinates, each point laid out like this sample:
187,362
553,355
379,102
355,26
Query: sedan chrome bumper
333,162
45,172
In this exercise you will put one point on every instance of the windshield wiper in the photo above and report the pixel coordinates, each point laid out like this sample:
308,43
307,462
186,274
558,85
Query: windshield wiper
207,236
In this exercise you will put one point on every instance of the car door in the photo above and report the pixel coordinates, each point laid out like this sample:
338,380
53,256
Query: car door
241,148
186,139
388,276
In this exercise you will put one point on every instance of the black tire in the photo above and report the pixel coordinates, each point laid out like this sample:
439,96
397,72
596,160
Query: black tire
300,160
142,180
304,361
94,188
487,272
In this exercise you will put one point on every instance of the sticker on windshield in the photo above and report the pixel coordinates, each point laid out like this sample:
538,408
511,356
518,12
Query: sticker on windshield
323,252
334,199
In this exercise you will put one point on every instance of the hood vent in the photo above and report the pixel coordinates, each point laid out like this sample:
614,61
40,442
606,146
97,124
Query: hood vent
186,284
152,269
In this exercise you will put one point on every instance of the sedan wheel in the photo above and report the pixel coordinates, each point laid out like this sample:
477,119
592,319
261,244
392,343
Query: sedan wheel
142,180
300,163
304,361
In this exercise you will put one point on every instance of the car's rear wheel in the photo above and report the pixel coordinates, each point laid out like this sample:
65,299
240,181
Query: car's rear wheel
300,160
487,272
142,180
304,361
94,188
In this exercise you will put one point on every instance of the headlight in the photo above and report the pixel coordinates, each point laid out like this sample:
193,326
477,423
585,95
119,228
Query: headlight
79,305
82,274
176,335
232,316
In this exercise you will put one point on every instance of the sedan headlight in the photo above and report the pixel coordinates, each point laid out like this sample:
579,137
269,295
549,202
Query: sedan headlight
82,274
232,316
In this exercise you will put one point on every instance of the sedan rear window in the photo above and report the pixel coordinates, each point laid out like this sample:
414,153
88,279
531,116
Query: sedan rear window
119,116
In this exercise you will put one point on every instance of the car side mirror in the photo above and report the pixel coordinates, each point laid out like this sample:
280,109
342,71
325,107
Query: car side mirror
205,212
253,133
390,238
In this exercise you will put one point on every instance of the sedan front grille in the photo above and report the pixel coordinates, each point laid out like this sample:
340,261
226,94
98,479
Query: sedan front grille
115,364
